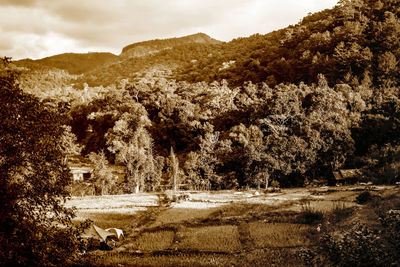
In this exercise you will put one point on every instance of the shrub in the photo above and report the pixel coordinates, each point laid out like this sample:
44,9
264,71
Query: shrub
364,197
310,215
164,200
340,211
360,246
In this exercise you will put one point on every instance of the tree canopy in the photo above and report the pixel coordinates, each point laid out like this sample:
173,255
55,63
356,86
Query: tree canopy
33,179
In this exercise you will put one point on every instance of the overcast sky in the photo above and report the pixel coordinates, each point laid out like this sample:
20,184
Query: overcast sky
40,28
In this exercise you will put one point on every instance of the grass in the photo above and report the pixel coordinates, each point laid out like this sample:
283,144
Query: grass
309,214
270,257
340,211
154,241
266,235
240,233
181,215
177,259
241,211
210,238
108,220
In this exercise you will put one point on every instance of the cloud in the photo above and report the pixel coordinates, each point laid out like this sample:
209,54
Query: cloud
26,3
34,28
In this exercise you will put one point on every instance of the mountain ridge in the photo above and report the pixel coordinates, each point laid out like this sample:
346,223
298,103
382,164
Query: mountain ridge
80,63
153,46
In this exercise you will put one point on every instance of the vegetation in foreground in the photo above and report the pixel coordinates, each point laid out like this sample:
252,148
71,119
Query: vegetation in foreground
243,234
35,227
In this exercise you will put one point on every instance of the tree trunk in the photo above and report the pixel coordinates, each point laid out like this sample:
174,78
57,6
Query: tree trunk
137,188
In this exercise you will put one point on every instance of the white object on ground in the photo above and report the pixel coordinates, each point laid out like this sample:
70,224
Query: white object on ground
118,232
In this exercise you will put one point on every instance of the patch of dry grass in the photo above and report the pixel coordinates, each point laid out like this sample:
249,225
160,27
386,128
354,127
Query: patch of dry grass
270,257
153,241
108,220
113,203
178,259
280,234
210,238
180,215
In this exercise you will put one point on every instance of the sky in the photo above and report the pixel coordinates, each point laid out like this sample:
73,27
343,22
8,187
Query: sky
40,28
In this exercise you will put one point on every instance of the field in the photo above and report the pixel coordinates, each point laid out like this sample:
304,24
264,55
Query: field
224,228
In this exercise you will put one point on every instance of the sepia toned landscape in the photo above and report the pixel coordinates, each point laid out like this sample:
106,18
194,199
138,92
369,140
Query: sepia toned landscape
276,149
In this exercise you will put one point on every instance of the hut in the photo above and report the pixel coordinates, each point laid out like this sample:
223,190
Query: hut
349,176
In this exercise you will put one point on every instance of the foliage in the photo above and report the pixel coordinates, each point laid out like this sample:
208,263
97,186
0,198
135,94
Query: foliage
310,215
355,42
138,49
33,180
364,197
360,246
102,177
132,144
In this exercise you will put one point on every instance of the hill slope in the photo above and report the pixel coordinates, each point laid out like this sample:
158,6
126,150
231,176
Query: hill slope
135,60
74,63
355,42
154,46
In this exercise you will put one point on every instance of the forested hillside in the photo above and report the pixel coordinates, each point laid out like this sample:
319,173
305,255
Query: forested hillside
290,106
156,57
151,47
356,42
71,62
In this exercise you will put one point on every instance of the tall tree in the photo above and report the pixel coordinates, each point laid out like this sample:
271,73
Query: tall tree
132,144
173,169
102,176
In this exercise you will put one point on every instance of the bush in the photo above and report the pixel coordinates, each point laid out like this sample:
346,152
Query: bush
360,246
365,197
81,188
164,200
340,211
310,215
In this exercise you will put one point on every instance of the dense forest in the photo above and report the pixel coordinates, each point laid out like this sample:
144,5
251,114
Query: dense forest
290,106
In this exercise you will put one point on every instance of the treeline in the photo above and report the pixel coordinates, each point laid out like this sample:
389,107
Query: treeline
244,136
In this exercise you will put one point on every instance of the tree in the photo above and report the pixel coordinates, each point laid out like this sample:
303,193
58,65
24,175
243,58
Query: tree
102,176
33,180
132,144
173,169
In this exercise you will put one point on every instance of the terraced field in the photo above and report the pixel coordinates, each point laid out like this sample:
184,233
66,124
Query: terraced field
221,228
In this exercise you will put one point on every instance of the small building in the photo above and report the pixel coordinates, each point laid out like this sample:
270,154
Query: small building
80,168
82,173
349,176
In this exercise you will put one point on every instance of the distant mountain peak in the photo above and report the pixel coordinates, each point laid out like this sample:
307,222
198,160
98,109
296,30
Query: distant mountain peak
153,46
